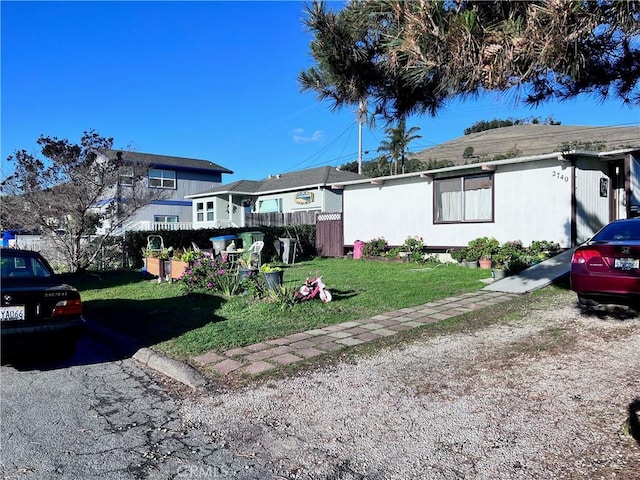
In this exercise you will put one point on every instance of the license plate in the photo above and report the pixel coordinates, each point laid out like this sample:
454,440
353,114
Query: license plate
626,263
9,314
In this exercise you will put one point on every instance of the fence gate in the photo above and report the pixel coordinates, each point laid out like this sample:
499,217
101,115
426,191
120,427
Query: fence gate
329,235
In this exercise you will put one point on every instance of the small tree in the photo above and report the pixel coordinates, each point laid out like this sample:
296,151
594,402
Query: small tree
77,190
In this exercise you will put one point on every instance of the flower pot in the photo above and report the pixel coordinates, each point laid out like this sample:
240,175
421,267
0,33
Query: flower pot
244,273
499,273
471,264
485,263
273,280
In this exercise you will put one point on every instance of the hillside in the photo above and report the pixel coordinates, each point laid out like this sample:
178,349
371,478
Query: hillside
528,140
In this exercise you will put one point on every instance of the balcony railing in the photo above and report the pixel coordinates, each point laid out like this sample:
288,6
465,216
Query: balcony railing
157,226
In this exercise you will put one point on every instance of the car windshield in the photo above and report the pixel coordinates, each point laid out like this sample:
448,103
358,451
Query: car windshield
22,266
618,232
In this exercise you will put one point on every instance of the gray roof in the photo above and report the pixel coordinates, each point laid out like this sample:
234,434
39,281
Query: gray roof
529,140
314,177
160,161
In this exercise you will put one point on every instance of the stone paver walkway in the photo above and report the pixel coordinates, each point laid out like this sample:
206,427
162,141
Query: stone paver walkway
263,356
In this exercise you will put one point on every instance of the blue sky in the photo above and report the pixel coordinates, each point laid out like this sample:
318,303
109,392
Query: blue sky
208,80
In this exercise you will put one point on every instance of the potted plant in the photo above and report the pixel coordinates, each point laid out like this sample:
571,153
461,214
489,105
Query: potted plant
272,276
485,248
459,254
500,259
247,268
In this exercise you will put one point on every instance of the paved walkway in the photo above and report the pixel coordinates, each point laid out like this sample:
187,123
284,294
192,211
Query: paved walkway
263,356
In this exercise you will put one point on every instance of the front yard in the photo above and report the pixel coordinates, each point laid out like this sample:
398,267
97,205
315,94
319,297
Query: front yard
161,315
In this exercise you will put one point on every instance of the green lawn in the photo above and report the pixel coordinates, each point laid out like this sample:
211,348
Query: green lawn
160,314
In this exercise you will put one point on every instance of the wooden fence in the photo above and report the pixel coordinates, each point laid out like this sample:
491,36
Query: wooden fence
329,235
280,219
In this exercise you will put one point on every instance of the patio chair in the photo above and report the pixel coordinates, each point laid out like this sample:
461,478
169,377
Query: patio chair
255,252
155,243
197,249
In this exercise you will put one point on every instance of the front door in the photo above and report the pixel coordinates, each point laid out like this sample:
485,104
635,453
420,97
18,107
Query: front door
617,207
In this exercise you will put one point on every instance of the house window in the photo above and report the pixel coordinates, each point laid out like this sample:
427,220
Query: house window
126,176
165,218
273,205
200,211
159,178
464,199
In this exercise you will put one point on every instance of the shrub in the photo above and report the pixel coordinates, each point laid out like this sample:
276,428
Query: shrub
209,275
482,247
283,296
413,244
375,247
459,254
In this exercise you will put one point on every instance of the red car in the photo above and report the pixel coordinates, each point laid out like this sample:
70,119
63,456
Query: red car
606,269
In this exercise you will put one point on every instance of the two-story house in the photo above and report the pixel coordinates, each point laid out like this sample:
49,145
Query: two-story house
177,177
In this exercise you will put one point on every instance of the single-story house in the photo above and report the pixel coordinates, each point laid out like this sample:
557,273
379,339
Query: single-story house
178,177
301,191
562,197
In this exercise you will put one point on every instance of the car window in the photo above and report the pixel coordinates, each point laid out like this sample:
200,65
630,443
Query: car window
619,232
22,266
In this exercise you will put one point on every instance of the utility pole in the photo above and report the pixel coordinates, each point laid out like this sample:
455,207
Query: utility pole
362,117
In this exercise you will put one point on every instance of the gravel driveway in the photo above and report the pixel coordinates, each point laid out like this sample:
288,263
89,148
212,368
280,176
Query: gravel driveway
545,395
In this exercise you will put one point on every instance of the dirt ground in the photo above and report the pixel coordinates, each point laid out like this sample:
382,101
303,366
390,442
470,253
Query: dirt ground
548,393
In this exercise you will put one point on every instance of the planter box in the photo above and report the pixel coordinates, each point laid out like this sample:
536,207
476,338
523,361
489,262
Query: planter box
178,268
155,266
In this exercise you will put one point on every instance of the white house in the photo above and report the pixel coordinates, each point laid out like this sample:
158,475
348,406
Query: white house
302,191
562,197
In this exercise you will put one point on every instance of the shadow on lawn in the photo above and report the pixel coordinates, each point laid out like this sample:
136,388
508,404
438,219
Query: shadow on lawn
343,294
115,329
147,322
100,280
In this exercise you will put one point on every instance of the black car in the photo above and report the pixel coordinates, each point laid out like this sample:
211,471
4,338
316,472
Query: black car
39,314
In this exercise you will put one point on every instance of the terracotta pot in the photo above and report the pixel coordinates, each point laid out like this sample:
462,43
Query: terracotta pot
485,263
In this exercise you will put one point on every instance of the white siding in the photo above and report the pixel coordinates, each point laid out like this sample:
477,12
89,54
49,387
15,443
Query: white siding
394,211
530,204
592,210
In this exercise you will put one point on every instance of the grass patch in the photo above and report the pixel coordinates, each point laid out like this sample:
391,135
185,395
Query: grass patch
184,325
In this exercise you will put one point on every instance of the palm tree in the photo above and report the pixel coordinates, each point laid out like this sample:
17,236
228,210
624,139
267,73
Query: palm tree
398,139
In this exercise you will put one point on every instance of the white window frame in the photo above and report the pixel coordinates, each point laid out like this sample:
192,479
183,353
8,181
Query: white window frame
165,218
202,213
